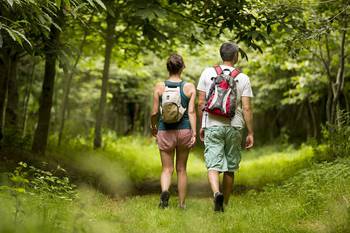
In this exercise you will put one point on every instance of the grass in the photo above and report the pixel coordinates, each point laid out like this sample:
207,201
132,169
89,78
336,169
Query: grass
273,167
296,196
120,165
136,160
316,199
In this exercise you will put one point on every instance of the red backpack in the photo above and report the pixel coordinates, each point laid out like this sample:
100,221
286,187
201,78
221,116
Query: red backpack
222,97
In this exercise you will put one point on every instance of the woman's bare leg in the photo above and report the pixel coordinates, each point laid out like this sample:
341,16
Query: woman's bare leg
167,158
181,164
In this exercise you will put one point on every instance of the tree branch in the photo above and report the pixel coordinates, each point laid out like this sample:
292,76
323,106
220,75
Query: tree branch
183,16
325,63
340,75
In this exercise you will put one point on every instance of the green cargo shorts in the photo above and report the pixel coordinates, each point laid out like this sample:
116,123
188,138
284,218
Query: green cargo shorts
222,148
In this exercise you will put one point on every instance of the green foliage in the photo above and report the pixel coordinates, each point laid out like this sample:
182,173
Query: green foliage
18,15
323,173
280,80
246,21
18,180
46,182
337,137
27,178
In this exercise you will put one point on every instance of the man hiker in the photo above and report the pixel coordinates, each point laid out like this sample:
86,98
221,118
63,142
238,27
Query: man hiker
224,108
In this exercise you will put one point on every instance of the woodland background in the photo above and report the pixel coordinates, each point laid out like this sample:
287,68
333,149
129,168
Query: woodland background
76,81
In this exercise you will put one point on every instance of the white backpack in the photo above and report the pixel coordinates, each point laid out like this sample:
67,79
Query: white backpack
171,108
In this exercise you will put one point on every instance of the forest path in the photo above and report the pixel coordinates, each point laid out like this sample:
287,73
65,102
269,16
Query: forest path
195,188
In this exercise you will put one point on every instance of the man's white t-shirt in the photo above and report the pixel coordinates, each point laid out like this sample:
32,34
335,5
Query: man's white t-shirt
243,89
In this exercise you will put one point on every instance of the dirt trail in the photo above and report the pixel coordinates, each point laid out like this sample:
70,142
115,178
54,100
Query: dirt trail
195,188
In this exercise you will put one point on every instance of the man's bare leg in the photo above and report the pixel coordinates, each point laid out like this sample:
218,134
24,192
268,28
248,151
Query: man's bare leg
228,185
214,181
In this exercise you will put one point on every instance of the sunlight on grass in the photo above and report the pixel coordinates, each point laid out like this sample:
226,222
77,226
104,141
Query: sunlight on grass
141,158
137,158
273,167
263,165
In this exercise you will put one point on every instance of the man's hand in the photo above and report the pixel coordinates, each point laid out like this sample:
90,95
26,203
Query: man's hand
201,104
248,118
249,142
201,134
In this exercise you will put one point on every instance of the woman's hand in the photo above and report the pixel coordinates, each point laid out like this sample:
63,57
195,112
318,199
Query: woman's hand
193,140
154,131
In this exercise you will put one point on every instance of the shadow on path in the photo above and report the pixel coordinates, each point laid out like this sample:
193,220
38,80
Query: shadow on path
196,188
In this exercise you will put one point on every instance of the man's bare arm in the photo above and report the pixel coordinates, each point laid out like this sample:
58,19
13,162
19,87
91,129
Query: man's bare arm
248,118
192,110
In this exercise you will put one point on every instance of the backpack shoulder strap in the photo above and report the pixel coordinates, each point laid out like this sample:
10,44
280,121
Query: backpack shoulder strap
182,84
235,72
165,84
170,85
218,69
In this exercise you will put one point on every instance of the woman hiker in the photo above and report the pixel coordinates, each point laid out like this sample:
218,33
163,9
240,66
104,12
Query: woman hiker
173,123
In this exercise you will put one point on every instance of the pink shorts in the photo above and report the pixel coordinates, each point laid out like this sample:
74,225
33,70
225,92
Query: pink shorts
168,140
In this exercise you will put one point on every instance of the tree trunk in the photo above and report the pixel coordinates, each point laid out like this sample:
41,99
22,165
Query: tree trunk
51,47
338,86
300,112
66,91
326,60
111,23
26,100
347,106
11,116
68,84
329,102
146,120
313,119
3,91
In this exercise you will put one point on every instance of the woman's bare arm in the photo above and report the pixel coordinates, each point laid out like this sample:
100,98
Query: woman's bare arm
155,108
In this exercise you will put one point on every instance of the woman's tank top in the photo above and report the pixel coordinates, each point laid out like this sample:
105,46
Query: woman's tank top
184,123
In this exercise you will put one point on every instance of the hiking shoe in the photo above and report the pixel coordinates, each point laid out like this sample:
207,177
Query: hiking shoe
164,199
219,202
